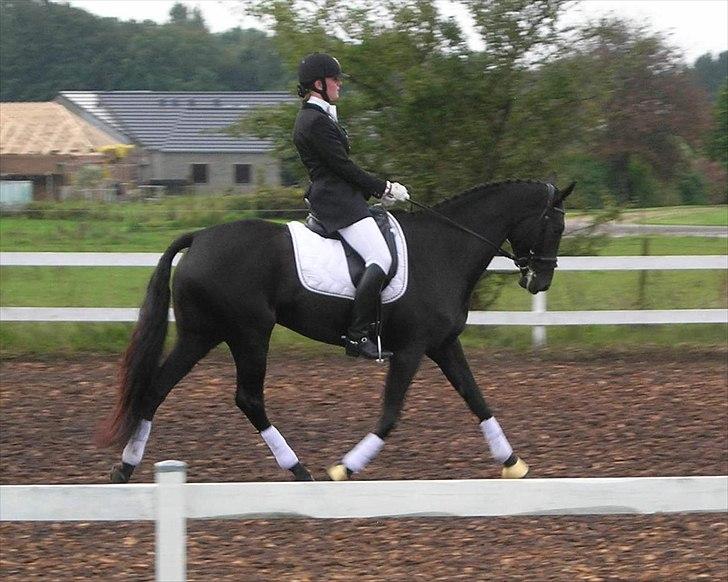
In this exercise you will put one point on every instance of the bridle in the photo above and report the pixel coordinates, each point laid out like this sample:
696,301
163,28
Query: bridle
535,253
523,263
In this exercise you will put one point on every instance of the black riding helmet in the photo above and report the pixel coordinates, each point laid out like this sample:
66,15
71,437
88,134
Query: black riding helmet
317,66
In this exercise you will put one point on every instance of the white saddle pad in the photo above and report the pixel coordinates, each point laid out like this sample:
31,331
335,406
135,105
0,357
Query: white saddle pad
322,267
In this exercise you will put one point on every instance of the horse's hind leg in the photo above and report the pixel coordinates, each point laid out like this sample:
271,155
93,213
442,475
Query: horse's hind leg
189,349
451,360
402,368
250,355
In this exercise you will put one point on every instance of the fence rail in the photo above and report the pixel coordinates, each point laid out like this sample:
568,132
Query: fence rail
499,264
537,318
522,318
171,501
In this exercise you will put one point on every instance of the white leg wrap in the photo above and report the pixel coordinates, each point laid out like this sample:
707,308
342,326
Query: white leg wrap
363,453
499,446
285,457
134,449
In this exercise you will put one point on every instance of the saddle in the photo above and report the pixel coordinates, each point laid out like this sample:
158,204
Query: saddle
354,262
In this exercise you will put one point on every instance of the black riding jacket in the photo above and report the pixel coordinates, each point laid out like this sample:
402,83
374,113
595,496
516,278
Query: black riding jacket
339,188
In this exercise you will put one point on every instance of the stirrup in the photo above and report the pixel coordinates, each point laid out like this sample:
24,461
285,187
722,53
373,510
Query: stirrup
366,348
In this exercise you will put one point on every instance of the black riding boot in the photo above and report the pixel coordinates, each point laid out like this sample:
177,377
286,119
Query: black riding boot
364,314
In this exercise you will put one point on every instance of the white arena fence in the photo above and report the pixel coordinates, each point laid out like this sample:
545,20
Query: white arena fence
170,501
538,317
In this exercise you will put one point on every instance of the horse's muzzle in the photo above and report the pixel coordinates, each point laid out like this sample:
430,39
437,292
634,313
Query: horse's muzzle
535,282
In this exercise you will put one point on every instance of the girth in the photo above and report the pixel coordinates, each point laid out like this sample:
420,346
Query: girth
354,262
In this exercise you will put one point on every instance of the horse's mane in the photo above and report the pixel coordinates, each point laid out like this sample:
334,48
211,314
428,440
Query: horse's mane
481,190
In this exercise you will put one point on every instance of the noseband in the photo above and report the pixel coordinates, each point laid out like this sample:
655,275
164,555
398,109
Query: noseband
534,253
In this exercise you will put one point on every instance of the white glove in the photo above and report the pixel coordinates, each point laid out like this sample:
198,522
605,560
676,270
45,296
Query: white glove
395,192
398,192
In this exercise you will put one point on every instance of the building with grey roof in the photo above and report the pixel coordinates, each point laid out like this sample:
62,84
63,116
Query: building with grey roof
180,135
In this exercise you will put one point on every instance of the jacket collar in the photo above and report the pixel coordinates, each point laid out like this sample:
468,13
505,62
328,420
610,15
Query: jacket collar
324,106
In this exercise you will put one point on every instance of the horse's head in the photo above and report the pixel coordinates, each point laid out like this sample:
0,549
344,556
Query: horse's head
535,240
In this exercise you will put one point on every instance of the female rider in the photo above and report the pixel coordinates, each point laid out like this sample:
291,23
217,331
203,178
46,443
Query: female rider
340,189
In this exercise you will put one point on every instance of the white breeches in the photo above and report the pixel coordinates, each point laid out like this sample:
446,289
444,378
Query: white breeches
366,239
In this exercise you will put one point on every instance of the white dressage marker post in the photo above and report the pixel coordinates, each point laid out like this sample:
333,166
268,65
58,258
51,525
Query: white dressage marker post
170,532
538,333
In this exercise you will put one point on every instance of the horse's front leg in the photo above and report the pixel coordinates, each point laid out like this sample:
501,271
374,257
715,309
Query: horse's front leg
451,360
402,368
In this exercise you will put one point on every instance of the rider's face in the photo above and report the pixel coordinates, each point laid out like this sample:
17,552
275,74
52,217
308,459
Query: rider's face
333,86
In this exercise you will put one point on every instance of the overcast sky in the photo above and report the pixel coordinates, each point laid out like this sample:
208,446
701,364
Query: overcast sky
695,26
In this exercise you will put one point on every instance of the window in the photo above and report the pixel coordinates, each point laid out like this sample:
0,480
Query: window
199,173
242,173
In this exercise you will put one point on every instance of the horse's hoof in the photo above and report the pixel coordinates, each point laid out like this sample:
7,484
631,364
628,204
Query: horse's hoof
121,473
300,473
517,470
339,472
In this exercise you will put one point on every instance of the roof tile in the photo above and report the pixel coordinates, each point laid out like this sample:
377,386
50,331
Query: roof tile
179,121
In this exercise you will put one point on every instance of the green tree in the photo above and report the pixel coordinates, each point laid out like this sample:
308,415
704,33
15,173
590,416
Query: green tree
180,15
711,73
420,105
692,188
647,108
718,141
251,62
173,58
74,50
40,50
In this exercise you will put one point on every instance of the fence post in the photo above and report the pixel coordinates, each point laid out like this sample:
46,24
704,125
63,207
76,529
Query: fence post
171,521
538,333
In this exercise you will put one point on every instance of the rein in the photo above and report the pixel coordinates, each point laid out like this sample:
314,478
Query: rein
501,251
520,262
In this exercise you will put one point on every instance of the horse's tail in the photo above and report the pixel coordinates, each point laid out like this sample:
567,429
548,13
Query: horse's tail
142,356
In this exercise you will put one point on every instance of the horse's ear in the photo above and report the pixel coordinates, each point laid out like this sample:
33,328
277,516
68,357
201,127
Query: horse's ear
569,189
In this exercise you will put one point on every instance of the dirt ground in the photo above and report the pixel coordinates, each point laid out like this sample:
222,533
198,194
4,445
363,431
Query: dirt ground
574,415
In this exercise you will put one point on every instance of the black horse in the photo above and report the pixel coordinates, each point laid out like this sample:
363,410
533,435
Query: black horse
237,280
